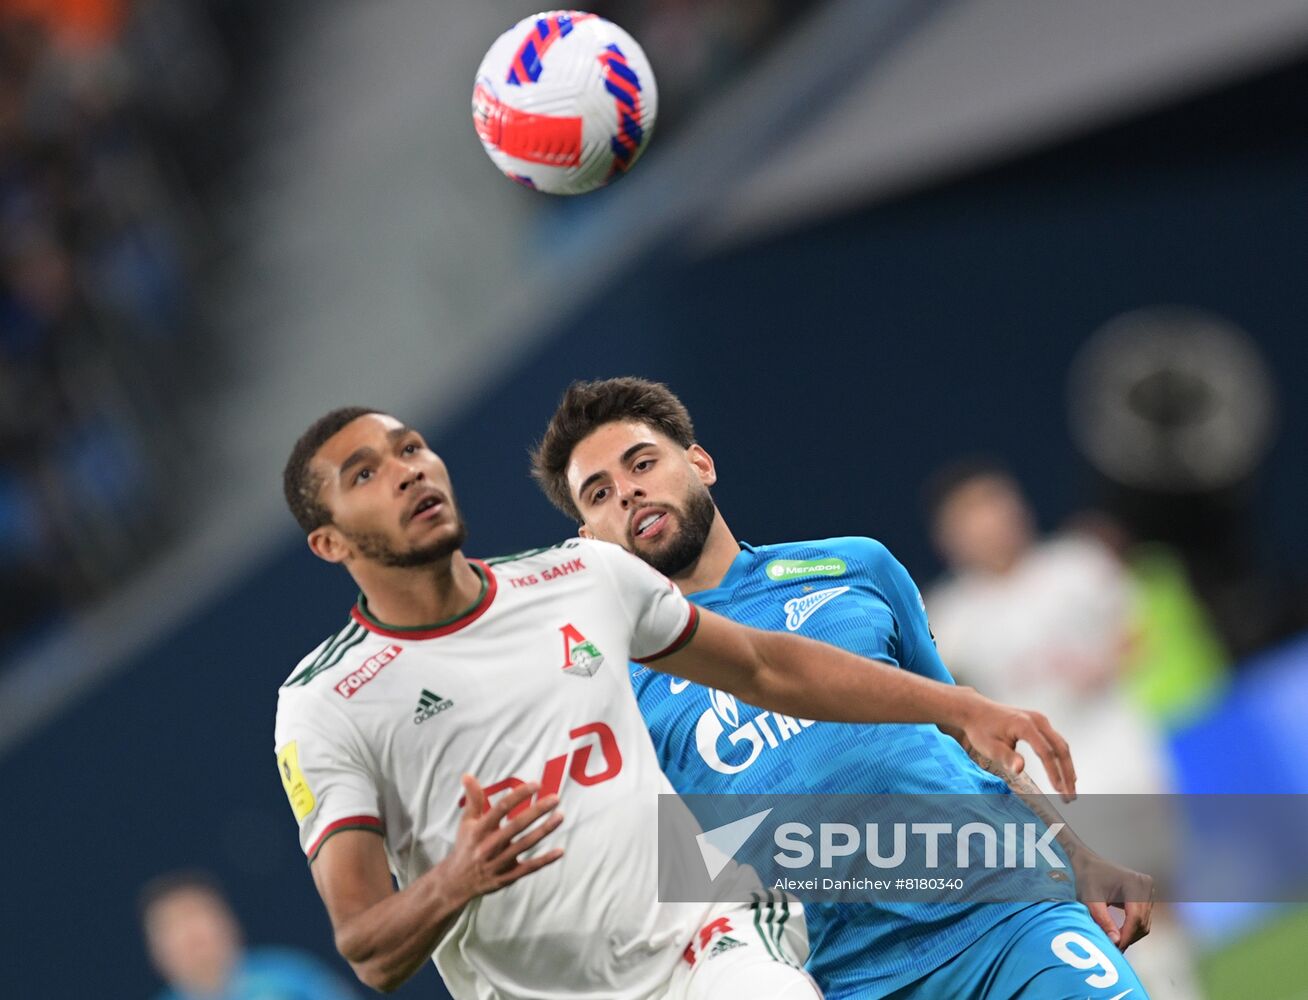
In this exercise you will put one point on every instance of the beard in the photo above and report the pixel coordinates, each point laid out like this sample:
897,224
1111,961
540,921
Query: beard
377,547
682,551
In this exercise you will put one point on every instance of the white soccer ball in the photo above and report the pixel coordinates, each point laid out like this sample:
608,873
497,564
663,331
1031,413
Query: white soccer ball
564,102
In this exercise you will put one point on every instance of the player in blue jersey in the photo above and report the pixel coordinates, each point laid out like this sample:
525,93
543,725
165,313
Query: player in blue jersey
620,458
194,940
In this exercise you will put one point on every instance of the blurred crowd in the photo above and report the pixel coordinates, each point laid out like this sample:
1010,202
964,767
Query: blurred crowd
113,127
116,123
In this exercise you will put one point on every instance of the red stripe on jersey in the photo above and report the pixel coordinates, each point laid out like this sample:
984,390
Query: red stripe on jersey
692,623
371,823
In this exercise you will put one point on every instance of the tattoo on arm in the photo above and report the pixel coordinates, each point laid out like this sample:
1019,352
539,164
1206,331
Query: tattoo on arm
1029,792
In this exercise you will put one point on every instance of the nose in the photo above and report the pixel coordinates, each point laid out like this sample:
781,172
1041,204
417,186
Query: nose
628,493
409,476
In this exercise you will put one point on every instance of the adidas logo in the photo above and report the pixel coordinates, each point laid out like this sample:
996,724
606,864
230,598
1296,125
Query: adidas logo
799,609
428,705
725,943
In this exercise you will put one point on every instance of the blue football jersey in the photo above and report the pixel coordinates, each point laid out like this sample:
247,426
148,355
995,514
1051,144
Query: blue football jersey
852,593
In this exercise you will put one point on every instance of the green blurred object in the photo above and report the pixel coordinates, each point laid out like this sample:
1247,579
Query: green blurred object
1177,664
1271,963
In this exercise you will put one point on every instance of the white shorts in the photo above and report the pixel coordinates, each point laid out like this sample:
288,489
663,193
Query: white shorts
747,951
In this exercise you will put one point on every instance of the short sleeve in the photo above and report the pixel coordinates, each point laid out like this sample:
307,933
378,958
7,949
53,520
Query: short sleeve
662,620
918,645
322,771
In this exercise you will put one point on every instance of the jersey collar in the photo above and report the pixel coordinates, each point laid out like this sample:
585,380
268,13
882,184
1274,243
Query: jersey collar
739,568
464,618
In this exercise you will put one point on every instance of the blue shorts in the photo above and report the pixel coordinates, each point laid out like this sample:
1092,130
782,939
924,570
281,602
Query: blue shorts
1049,951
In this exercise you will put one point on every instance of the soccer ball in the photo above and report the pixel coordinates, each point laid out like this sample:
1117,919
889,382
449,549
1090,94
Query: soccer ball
564,102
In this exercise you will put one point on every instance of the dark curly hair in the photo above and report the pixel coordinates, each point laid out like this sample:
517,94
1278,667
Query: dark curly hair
588,405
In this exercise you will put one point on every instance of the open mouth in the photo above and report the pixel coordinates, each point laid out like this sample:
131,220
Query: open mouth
426,508
650,523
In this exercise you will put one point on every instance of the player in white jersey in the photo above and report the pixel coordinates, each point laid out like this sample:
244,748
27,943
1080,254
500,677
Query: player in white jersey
515,671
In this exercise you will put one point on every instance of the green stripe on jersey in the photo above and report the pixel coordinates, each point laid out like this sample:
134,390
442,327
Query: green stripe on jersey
758,926
351,626
324,649
770,928
345,640
337,656
496,560
781,929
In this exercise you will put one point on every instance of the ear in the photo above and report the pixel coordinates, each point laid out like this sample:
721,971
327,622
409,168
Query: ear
328,544
584,531
703,464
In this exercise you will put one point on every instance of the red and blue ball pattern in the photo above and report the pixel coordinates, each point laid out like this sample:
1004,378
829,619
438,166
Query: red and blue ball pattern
564,102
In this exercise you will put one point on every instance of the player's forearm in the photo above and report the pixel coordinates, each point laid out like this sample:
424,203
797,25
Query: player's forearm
813,680
392,939
1036,800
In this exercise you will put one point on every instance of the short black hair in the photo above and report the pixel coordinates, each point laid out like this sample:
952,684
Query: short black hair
947,480
161,887
588,405
300,486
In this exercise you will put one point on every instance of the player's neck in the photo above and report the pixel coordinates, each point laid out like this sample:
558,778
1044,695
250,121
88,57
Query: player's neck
424,595
719,552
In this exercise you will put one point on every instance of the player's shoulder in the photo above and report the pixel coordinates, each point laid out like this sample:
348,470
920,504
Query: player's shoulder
866,551
527,555
341,648
567,557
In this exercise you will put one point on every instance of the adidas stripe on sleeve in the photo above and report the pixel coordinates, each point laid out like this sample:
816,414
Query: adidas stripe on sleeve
320,763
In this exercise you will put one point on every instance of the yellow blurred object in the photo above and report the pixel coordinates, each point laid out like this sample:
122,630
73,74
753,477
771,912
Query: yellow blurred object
1176,665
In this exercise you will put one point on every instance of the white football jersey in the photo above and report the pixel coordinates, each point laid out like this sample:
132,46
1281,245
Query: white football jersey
376,727
1050,635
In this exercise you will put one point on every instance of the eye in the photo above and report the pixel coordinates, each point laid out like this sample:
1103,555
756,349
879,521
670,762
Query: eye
410,448
643,464
363,475
599,494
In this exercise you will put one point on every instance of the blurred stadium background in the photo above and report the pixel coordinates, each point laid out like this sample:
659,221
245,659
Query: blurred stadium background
868,238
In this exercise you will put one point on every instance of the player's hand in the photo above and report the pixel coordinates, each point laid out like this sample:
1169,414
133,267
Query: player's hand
1100,884
991,732
489,845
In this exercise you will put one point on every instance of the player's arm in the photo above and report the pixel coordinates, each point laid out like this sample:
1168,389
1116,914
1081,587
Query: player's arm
801,677
386,935
1100,883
